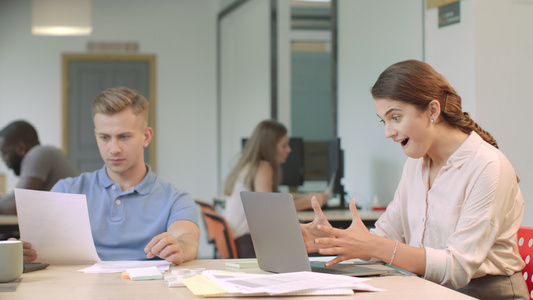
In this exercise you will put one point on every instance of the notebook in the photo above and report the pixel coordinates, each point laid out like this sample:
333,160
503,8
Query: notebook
278,240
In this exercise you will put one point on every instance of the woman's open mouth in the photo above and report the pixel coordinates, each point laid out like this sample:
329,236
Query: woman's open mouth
404,142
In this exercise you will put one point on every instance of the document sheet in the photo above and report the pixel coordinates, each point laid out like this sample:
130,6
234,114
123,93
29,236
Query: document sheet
57,225
122,266
214,283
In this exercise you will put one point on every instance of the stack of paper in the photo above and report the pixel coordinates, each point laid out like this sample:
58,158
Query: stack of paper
242,264
149,273
122,266
224,284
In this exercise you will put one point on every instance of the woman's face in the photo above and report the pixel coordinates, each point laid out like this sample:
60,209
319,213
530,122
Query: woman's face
406,125
283,149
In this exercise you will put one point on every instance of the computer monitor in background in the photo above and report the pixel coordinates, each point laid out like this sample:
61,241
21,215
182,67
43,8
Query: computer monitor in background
292,171
336,168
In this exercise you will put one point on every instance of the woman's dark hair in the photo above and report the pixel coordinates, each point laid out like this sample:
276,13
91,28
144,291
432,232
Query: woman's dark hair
416,82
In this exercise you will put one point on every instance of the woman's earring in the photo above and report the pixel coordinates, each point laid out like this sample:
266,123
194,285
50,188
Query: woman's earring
431,121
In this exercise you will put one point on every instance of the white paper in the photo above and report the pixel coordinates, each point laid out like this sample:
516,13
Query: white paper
287,282
122,266
57,225
148,273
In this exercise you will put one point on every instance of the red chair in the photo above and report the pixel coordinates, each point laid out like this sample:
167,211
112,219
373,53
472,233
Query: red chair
217,227
206,206
218,231
525,247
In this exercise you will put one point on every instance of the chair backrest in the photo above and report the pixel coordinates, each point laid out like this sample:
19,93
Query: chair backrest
217,227
525,247
206,206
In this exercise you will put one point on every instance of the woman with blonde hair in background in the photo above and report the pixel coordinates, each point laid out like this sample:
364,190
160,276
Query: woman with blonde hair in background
258,170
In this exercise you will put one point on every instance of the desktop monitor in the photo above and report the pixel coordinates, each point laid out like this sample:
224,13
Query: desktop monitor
336,167
292,171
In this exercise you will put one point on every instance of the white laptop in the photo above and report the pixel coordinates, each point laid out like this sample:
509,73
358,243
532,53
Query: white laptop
278,240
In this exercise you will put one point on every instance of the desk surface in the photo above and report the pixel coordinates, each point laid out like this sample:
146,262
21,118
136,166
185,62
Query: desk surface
332,214
64,282
341,214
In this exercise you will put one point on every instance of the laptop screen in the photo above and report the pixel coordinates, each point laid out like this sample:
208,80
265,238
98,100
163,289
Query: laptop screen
275,231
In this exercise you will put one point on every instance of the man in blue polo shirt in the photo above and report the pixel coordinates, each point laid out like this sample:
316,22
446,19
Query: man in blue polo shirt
134,214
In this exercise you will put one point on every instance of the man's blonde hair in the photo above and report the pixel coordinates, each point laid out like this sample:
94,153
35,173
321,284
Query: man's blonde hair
115,100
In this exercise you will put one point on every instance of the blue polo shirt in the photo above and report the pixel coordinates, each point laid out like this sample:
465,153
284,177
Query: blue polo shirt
123,223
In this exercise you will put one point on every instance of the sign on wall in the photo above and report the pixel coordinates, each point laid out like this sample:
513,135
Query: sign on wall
449,14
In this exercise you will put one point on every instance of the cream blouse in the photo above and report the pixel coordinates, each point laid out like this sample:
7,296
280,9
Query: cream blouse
467,221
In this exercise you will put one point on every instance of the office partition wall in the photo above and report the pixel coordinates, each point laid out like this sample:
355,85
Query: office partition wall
244,81
372,35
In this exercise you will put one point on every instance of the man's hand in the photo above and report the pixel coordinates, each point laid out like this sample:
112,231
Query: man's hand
179,244
167,247
29,254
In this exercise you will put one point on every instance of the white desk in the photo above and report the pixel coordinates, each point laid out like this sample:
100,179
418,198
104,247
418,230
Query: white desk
64,282
338,217
342,218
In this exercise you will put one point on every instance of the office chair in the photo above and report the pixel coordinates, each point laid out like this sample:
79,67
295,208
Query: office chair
206,206
217,227
220,203
525,247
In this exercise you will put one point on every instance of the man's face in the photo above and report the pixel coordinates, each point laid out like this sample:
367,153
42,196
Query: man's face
11,156
121,139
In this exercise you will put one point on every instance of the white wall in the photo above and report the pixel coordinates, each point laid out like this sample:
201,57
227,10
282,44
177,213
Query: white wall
504,75
372,35
182,35
451,50
284,63
245,77
487,58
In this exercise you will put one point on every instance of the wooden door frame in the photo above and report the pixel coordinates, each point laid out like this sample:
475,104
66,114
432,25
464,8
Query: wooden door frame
150,59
